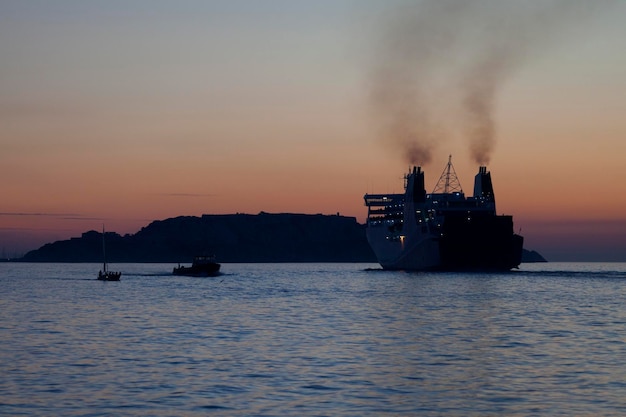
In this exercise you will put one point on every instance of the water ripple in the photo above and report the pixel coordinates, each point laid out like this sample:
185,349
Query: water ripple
312,339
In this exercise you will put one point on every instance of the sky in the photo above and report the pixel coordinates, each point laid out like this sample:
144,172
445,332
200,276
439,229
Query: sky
124,112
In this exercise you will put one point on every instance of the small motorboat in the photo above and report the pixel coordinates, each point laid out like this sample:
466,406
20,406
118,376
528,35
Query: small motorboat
202,266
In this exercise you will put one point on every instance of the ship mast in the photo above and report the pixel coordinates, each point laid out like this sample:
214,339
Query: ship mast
448,182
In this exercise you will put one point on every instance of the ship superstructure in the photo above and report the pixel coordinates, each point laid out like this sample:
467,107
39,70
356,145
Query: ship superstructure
443,230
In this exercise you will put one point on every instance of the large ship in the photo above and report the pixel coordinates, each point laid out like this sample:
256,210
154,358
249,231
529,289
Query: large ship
443,230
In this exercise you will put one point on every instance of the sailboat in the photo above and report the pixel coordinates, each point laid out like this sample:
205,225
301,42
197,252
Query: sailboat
105,274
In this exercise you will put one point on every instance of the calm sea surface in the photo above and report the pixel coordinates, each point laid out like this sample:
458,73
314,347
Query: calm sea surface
312,340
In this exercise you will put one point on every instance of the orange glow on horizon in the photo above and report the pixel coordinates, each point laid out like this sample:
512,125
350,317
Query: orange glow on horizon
223,113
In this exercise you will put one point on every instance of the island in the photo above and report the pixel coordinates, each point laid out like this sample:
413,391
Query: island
263,237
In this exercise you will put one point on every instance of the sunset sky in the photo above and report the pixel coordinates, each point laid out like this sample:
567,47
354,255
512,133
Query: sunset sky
124,112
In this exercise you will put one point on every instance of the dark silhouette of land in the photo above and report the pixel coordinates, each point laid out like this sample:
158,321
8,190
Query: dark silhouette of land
230,237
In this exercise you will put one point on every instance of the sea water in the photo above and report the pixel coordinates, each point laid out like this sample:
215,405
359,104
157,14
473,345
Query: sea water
312,340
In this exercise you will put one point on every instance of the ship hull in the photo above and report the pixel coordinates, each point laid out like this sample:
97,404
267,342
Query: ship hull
211,270
464,249
419,253
481,243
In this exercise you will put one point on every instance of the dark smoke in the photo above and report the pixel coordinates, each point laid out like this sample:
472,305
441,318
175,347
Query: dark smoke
441,64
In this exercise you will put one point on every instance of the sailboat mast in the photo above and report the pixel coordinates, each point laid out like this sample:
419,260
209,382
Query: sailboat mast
104,254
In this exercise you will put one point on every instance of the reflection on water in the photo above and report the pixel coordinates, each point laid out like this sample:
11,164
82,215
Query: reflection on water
312,339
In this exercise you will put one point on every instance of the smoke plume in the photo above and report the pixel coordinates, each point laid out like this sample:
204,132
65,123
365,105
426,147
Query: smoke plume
441,63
